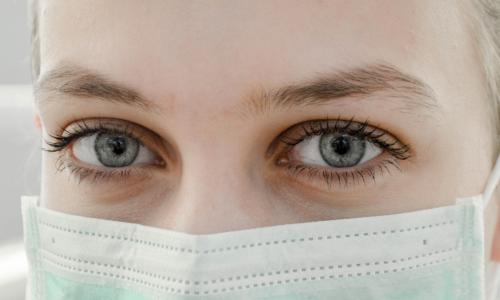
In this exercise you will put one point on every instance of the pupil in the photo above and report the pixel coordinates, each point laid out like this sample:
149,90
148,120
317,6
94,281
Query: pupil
341,145
116,151
117,145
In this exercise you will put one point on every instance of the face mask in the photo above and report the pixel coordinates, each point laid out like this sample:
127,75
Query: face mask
427,254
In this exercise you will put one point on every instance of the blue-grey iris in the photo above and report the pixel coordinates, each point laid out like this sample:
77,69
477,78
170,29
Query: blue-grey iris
342,150
115,150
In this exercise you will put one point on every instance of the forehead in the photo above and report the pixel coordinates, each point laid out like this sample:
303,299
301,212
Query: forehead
199,48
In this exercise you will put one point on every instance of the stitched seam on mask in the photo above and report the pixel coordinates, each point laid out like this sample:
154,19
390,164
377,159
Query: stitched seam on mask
463,266
469,239
251,276
34,231
166,288
243,246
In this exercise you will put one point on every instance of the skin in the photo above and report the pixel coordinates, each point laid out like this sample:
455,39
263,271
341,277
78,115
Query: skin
198,61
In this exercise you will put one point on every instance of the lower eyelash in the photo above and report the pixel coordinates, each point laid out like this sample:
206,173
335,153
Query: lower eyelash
342,178
82,173
61,143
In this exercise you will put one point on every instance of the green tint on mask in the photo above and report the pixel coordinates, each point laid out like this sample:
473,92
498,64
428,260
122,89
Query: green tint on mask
391,287
60,288
429,254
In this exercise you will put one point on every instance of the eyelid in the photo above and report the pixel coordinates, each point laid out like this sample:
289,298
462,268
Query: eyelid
63,143
87,127
378,165
379,136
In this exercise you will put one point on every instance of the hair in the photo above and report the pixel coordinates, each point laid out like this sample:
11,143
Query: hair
485,17
485,23
35,39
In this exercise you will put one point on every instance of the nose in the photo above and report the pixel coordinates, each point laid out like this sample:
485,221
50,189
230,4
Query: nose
216,192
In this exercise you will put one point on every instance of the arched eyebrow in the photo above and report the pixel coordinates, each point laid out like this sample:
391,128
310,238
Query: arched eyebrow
69,80
411,93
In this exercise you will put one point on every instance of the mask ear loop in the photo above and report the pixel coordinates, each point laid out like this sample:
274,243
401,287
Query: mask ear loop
495,283
488,194
492,183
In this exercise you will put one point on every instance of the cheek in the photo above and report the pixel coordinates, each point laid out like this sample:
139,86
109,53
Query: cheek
61,191
54,193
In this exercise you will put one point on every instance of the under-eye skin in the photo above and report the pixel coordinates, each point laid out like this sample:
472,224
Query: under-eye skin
104,150
339,152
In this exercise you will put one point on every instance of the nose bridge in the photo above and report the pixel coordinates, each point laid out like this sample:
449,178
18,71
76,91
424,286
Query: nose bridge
211,199
214,193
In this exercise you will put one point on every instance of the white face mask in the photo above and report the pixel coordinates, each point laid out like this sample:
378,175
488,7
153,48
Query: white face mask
427,254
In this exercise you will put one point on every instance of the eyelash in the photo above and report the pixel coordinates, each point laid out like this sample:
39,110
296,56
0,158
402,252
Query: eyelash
83,129
376,135
389,144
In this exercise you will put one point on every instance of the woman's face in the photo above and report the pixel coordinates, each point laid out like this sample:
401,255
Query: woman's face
214,116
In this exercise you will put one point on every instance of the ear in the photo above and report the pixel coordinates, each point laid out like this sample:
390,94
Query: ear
37,121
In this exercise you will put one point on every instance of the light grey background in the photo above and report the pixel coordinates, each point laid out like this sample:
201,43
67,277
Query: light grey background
19,175
19,146
16,116
15,113
14,42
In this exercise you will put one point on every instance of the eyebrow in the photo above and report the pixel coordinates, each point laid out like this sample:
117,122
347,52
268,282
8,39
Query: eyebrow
323,88
71,80
410,93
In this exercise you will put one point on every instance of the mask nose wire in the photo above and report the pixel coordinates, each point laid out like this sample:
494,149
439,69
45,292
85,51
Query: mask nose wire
492,182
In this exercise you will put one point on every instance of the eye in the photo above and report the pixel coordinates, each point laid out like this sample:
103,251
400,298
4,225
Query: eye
337,150
106,149
112,150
